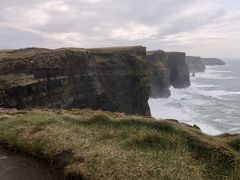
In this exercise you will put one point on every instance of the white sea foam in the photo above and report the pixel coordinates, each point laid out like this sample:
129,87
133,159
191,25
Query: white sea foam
214,73
219,94
217,71
203,85
204,103
211,76
167,109
209,90
179,106
218,120
164,109
208,129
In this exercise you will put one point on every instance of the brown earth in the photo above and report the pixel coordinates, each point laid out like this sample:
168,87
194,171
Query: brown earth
14,166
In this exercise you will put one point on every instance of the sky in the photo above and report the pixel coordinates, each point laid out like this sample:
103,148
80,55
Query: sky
207,28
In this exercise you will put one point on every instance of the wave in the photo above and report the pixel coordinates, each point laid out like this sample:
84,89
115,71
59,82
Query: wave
214,73
207,90
213,70
203,85
217,71
209,129
207,103
219,94
168,109
211,76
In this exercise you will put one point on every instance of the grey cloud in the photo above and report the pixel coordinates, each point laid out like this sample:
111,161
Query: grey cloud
184,25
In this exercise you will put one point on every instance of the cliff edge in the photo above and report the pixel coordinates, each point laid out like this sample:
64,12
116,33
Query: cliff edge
167,69
159,72
179,71
86,144
195,64
212,61
113,79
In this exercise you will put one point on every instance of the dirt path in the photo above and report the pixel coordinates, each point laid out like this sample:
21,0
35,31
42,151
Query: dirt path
14,166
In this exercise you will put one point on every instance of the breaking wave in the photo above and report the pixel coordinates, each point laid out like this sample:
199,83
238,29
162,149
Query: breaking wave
212,102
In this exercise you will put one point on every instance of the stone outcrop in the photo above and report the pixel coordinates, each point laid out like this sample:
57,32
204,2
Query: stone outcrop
212,61
159,72
113,79
166,69
198,64
178,70
195,64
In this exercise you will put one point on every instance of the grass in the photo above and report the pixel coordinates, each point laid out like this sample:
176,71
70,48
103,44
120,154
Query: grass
104,145
28,52
21,53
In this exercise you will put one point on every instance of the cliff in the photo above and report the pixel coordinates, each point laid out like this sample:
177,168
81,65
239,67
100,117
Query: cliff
166,69
159,72
212,61
178,70
114,79
195,64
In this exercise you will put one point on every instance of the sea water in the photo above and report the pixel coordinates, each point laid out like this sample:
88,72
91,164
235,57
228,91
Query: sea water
212,101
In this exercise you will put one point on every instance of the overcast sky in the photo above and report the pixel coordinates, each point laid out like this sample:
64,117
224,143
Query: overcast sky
198,27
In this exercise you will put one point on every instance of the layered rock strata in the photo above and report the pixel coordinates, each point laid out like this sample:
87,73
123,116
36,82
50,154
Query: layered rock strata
167,69
113,79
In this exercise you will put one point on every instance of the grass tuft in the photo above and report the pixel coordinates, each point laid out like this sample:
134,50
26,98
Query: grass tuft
105,145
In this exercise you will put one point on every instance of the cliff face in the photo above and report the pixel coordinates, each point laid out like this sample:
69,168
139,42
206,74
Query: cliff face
212,61
157,65
178,70
167,69
113,79
195,64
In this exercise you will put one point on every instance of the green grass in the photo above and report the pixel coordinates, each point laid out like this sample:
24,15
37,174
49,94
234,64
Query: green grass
105,145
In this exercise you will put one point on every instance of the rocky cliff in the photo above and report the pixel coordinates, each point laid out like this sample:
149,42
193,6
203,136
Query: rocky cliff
113,79
159,72
166,69
212,61
178,70
195,64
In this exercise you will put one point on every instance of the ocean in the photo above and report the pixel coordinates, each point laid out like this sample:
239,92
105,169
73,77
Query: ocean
212,102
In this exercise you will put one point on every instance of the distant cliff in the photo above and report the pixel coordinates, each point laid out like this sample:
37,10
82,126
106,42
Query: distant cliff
195,64
212,61
179,71
166,69
113,79
159,72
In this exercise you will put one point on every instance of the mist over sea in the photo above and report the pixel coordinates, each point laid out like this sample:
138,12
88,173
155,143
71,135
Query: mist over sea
212,102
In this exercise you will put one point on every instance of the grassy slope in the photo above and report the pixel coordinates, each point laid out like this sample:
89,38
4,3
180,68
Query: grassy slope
104,145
